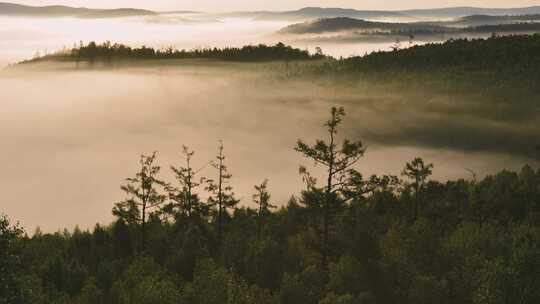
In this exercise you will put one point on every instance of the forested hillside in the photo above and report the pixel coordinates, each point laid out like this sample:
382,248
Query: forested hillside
517,55
518,52
359,27
344,238
510,63
350,24
110,53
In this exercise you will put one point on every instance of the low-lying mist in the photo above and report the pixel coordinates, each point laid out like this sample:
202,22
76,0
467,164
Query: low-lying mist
22,38
71,136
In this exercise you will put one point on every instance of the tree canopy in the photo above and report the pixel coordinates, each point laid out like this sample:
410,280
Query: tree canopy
351,239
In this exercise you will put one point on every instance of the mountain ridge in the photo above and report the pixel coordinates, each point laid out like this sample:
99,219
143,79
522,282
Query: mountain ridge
13,9
310,12
340,25
332,12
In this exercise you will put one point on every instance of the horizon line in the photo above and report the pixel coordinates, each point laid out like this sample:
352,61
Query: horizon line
247,10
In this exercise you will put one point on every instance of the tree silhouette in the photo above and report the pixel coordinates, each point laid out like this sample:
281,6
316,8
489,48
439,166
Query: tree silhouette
418,172
143,195
221,190
338,161
262,199
184,199
10,264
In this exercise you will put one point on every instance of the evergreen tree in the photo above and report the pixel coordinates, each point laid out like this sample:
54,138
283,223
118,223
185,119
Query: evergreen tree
452,253
222,195
185,200
262,199
10,264
418,172
338,162
144,195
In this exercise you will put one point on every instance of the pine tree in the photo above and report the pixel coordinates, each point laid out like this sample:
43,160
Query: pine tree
418,172
185,200
338,162
222,195
10,263
262,199
143,195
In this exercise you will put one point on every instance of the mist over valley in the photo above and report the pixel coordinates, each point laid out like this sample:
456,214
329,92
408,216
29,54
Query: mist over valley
274,154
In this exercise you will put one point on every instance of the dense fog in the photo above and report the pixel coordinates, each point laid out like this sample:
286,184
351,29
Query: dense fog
70,136
22,38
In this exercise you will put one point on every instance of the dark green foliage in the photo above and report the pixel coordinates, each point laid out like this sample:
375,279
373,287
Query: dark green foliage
385,240
10,264
221,191
418,172
107,52
184,198
379,253
262,199
472,242
518,55
338,162
143,196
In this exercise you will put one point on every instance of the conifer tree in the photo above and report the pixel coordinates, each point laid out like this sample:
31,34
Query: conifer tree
222,195
184,199
338,163
418,172
262,199
10,264
143,195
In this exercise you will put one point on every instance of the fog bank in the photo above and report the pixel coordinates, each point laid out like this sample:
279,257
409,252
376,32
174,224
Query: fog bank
70,137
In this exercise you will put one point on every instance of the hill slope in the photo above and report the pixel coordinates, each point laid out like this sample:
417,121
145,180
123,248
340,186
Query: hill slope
321,12
345,23
507,56
454,12
472,24
11,9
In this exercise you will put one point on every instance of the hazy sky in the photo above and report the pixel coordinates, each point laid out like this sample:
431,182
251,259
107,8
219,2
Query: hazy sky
221,5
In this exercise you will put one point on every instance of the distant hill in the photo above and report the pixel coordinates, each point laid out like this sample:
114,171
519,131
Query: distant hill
359,26
11,9
490,19
320,12
346,24
454,12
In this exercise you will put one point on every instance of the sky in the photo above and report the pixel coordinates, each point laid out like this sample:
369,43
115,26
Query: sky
228,5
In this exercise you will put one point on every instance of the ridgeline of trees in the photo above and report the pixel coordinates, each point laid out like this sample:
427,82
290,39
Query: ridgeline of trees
501,28
366,28
497,69
370,27
497,18
514,58
344,239
497,53
108,52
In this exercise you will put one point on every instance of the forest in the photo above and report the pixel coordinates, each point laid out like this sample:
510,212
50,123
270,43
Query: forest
359,27
109,52
344,238
517,55
516,52
499,69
